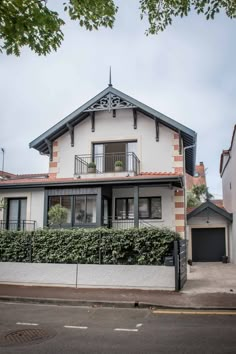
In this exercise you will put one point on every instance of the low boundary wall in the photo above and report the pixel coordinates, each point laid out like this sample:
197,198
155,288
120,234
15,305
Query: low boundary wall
88,275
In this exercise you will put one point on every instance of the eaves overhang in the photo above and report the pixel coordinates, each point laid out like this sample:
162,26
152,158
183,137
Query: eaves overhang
176,181
189,136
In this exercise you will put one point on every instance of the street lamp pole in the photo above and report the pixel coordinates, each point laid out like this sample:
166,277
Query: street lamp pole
3,156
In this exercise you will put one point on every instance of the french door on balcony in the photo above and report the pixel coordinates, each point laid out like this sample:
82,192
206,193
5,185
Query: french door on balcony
105,155
16,215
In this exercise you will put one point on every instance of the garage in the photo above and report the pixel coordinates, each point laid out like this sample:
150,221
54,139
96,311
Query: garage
208,245
208,233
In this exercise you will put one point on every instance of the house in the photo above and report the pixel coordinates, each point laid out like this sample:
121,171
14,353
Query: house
228,175
113,162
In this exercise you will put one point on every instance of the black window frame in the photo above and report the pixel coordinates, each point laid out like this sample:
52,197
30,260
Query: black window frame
72,222
18,221
149,208
126,208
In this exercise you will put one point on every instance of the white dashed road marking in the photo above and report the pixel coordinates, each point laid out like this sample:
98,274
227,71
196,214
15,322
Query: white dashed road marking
126,329
78,327
139,325
26,324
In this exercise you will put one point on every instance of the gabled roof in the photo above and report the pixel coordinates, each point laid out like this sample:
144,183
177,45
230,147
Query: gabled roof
95,104
209,205
226,153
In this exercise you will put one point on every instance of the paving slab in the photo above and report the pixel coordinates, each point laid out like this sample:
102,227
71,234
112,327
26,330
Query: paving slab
211,277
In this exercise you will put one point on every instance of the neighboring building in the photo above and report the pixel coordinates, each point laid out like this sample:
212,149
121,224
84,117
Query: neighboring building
198,178
228,175
145,189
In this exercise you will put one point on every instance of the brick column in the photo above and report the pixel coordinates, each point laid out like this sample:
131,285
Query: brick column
53,165
179,212
177,158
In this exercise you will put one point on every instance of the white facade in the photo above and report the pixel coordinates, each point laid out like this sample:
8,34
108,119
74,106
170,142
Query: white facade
228,175
153,155
34,204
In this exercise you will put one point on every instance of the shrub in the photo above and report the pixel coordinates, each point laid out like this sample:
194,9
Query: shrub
118,163
88,246
57,215
91,165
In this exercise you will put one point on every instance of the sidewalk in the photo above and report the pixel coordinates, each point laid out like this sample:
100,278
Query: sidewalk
116,297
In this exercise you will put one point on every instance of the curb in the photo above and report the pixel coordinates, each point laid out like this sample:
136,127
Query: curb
116,304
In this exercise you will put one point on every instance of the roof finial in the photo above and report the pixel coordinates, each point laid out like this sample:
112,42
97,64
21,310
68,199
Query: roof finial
110,84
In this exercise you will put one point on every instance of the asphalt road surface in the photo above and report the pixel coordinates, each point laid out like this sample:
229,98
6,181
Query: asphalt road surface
42,329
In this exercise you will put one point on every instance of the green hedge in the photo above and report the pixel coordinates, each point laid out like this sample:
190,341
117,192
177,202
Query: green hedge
88,246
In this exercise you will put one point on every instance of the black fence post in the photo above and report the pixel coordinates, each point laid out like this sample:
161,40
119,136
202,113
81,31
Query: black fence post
99,249
176,256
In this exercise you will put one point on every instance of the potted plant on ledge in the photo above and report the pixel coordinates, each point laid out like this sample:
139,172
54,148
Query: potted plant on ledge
92,167
118,166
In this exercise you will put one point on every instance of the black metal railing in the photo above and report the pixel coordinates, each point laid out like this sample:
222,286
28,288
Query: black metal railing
119,224
107,163
16,225
126,223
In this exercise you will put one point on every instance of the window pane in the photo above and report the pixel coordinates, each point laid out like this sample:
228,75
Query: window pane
99,157
105,212
121,208
13,210
23,209
91,209
66,203
143,208
53,201
79,210
156,208
130,208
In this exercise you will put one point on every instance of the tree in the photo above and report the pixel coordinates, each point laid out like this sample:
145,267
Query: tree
57,215
33,24
197,195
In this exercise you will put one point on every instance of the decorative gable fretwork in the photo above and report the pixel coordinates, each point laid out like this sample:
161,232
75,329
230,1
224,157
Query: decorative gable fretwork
109,102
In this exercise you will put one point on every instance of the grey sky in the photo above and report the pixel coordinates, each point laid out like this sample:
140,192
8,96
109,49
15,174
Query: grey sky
186,72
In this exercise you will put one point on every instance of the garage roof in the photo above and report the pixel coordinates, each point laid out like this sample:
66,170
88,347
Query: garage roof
209,205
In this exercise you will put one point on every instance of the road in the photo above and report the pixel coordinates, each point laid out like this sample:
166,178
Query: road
112,330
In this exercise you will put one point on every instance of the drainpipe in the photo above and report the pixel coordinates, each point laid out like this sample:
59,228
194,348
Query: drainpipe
185,190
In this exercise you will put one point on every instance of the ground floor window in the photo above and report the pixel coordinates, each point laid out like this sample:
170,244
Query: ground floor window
80,209
149,208
16,213
124,208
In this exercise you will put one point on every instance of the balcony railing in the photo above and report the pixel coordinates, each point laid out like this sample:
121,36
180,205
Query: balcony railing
107,163
16,225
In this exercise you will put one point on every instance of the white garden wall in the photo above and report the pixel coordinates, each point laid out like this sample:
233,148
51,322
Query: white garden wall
88,275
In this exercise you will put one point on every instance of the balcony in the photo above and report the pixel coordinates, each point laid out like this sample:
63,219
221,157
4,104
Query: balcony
107,163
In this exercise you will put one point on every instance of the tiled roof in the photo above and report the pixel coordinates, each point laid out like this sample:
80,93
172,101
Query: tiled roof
53,180
5,174
31,175
217,202
159,174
